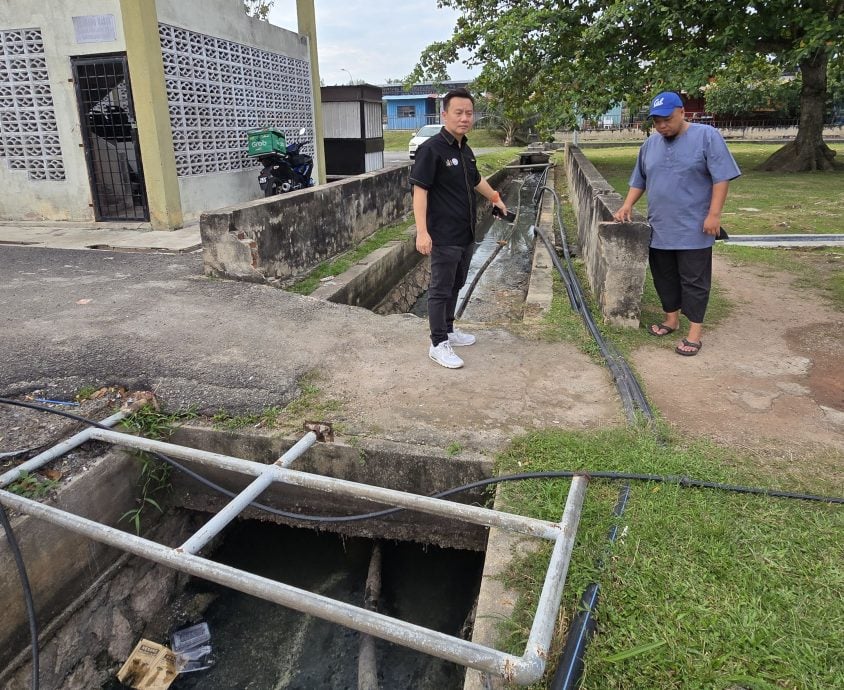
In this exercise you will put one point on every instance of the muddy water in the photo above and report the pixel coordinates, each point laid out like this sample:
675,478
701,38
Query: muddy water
262,646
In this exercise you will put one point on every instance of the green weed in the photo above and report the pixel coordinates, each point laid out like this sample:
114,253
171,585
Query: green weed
310,404
85,392
33,485
150,423
266,418
154,479
155,474
343,262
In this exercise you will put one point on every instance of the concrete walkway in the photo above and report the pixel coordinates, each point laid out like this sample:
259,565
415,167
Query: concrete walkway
116,236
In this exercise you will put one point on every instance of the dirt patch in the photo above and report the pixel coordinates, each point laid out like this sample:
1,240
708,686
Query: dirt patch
770,375
508,386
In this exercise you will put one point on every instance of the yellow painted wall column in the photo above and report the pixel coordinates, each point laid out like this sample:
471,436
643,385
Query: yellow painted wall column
146,72
307,26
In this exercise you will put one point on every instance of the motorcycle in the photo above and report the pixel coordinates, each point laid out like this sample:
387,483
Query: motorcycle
286,172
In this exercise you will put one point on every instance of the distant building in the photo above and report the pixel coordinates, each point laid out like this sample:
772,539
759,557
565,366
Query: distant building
419,106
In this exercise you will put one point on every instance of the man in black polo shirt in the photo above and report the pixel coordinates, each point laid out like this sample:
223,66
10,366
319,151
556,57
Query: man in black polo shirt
445,179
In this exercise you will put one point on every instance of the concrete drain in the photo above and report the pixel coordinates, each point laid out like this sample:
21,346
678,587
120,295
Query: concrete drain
261,645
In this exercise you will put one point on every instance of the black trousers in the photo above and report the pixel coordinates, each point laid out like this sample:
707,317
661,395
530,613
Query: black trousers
449,267
683,279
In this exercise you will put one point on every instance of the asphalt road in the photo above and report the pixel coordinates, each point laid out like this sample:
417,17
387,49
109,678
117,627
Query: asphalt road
77,318
72,318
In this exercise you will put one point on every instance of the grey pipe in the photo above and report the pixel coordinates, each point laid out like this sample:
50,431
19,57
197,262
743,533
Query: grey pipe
480,516
522,670
56,451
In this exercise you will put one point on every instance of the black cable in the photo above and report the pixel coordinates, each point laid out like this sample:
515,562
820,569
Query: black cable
583,625
556,474
553,474
27,593
627,383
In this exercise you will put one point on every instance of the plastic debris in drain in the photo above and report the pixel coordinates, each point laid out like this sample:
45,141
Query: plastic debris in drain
191,648
151,666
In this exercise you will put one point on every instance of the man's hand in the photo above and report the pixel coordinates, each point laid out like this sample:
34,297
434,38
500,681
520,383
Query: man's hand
712,224
423,242
624,214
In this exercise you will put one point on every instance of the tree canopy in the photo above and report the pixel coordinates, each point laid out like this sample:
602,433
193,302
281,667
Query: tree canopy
584,55
258,8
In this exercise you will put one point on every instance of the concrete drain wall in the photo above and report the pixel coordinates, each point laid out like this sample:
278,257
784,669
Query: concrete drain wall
90,624
391,279
380,463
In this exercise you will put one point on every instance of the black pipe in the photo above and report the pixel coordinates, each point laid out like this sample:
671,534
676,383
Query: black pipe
583,626
27,594
683,481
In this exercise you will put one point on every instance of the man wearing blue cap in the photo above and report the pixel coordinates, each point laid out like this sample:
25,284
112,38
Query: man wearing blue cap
686,171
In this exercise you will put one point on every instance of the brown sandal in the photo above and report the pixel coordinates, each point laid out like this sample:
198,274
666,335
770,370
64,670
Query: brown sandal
689,343
660,327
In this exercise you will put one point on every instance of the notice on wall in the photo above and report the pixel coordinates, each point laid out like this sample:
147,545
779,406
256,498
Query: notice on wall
95,28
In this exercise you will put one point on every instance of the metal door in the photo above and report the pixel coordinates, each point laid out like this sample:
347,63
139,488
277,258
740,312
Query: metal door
110,137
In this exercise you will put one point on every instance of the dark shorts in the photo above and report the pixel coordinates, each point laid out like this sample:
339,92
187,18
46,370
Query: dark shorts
683,280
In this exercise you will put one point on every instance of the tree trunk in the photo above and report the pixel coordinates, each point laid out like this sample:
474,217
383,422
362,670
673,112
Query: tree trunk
808,150
509,132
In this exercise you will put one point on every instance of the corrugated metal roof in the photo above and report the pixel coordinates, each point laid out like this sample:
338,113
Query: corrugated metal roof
413,97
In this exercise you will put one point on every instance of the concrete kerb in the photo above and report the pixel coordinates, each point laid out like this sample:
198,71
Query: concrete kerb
541,285
389,464
615,254
103,236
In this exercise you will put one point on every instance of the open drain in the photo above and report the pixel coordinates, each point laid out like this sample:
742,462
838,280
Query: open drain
394,279
261,645
180,554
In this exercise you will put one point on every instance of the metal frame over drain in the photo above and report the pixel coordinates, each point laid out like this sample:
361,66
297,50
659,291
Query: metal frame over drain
522,670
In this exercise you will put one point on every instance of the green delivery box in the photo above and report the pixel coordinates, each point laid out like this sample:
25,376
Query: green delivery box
263,141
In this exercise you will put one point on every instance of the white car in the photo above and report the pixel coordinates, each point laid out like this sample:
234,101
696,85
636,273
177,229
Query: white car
423,134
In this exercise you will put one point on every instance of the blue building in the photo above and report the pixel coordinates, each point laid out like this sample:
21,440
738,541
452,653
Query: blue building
419,106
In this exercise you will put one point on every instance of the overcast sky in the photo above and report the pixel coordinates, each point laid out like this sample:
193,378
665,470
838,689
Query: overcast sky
374,40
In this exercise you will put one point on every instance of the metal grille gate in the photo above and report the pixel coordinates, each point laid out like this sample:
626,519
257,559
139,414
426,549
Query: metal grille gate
110,137
523,670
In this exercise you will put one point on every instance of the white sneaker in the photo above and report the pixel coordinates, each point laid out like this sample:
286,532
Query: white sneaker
443,355
458,338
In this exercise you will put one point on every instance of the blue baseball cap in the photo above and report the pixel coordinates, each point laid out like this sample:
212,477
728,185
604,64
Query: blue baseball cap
664,103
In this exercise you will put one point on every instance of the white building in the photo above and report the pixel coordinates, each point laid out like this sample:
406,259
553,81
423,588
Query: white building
137,110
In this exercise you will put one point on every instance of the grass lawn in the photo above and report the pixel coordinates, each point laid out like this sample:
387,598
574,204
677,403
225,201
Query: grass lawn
759,203
397,140
704,589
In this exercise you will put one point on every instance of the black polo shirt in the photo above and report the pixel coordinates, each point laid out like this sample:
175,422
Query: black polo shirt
449,172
